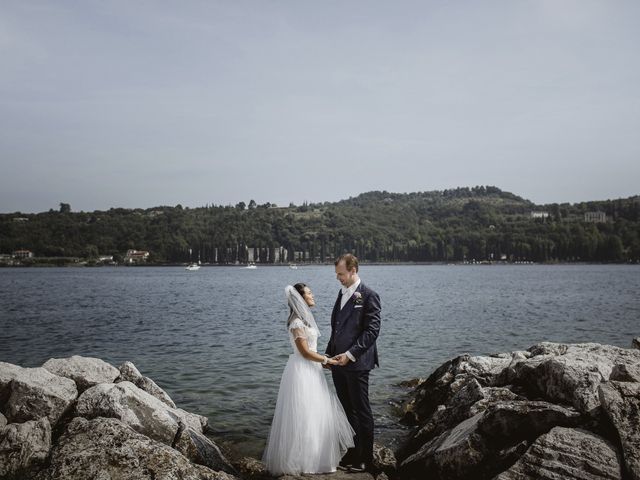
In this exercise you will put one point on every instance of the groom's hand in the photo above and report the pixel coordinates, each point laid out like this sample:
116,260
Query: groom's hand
341,359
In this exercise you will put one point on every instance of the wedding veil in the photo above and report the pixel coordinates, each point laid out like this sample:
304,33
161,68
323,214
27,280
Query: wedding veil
299,308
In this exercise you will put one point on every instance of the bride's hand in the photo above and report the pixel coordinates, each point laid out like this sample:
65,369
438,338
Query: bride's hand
332,361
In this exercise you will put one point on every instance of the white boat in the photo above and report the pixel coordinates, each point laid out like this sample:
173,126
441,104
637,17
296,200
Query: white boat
251,266
192,267
293,266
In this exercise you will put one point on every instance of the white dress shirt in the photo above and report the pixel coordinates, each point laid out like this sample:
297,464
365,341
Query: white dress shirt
347,293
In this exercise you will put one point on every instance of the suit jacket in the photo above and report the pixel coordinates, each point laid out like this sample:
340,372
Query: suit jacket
355,328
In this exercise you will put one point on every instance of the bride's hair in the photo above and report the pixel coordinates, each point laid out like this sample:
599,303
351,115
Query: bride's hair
300,288
298,307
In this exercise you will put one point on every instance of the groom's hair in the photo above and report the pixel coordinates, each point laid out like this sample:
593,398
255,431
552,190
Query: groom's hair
350,261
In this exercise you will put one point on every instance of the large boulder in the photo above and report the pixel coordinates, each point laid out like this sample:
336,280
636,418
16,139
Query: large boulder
569,373
129,373
3,421
8,372
138,409
447,380
565,454
470,400
635,343
621,403
483,443
35,393
105,448
24,447
201,450
85,371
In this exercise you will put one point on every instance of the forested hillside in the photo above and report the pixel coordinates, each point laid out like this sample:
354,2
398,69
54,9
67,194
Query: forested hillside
464,224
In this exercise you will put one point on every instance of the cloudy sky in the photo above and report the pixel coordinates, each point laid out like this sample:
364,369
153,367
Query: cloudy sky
141,103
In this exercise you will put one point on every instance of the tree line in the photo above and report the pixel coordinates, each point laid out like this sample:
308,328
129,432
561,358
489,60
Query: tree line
479,224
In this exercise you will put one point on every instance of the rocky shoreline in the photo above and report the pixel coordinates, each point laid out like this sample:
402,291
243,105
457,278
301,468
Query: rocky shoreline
554,411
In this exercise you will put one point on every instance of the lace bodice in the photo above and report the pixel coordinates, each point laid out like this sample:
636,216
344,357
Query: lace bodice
297,329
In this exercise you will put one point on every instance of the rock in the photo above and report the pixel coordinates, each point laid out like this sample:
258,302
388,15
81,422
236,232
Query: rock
384,459
508,422
24,447
569,373
35,393
625,373
8,372
635,343
564,454
136,408
447,380
129,373
491,395
453,454
479,445
85,371
251,468
105,448
467,402
621,404
199,449
3,421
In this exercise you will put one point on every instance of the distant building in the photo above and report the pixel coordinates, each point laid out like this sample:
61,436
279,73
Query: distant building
136,256
20,219
595,217
105,258
23,254
539,214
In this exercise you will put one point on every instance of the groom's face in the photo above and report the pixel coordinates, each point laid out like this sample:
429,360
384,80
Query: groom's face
344,276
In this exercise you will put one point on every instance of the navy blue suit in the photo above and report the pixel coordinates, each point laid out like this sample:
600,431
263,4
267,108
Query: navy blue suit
355,328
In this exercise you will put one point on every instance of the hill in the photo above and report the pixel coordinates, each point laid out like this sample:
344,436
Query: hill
463,224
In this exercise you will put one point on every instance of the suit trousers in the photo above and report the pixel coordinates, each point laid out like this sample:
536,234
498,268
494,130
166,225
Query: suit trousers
352,388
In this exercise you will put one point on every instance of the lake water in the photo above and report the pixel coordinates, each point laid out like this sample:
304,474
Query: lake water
216,339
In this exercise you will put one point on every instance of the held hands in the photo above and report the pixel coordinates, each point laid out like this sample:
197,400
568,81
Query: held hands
341,360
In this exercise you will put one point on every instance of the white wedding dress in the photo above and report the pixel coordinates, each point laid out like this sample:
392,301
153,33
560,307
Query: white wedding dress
310,432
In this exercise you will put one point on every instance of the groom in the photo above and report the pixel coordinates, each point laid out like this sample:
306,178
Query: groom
355,324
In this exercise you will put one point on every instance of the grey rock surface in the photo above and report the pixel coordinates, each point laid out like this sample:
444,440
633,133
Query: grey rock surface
566,454
129,373
477,417
569,373
477,445
136,408
35,393
24,447
201,450
3,421
621,404
85,371
105,448
8,372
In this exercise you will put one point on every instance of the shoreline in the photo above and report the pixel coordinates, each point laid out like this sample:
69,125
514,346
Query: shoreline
329,264
481,417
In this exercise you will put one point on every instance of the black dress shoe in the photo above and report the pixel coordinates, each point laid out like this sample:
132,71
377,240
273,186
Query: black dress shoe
344,465
357,468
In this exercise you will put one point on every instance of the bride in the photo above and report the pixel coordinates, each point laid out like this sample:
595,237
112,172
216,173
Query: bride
310,432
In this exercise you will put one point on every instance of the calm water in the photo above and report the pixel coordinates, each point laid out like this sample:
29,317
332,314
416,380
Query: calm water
216,340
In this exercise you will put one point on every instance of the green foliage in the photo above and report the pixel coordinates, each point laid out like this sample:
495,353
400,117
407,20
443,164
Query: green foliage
481,223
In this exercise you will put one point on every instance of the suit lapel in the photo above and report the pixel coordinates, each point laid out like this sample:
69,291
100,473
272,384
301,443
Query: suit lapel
346,312
336,310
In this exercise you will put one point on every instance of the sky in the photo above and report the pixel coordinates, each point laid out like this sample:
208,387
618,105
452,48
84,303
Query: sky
139,103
